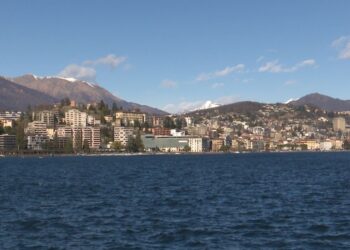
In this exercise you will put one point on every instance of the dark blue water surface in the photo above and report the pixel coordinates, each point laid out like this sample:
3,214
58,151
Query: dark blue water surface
246,201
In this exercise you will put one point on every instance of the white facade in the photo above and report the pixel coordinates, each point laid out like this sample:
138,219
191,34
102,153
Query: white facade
95,137
122,134
175,132
64,132
36,128
196,144
325,145
75,118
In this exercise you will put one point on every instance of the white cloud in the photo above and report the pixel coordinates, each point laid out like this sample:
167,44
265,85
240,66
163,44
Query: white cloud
168,84
342,44
276,67
217,85
110,60
273,67
220,73
79,72
86,71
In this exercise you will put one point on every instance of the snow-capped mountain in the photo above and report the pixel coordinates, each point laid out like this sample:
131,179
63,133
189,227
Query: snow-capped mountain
81,91
207,105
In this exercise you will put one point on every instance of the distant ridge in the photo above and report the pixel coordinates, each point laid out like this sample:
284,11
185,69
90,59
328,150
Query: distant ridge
244,107
80,91
323,102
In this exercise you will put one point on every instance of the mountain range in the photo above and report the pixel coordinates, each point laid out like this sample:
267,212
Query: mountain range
323,102
18,92
315,100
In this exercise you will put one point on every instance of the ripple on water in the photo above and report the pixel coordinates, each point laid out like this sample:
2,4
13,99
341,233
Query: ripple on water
248,201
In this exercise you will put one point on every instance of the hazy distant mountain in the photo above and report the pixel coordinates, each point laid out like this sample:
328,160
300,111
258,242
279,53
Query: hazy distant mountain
16,97
80,91
323,102
239,107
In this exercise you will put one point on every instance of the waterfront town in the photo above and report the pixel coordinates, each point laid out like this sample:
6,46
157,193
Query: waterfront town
71,128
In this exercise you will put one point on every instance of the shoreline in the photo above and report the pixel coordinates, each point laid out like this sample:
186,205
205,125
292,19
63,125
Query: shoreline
48,155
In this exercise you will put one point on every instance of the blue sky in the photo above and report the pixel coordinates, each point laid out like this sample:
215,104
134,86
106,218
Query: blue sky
176,55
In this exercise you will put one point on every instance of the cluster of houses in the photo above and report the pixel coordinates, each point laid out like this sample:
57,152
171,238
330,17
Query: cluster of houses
78,129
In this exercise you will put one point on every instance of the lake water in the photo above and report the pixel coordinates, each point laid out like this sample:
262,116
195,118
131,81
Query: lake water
236,201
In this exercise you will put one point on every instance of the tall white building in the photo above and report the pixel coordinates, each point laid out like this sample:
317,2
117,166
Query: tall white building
339,124
95,137
92,135
122,134
46,116
196,144
76,118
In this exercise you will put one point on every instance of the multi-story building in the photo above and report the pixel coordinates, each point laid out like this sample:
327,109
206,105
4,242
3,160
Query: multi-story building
37,142
95,137
76,118
198,130
77,138
64,131
10,115
36,128
122,134
339,124
7,142
165,143
45,116
156,121
196,144
86,136
92,136
79,135
129,118
160,131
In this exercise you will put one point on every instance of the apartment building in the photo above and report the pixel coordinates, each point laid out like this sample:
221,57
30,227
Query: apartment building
122,134
76,118
7,142
129,118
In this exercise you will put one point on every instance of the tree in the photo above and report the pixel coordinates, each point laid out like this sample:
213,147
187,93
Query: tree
114,107
20,136
180,123
346,145
137,124
187,148
168,123
68,147
117,146
65,102
135,144
86,146
2,131
224,148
